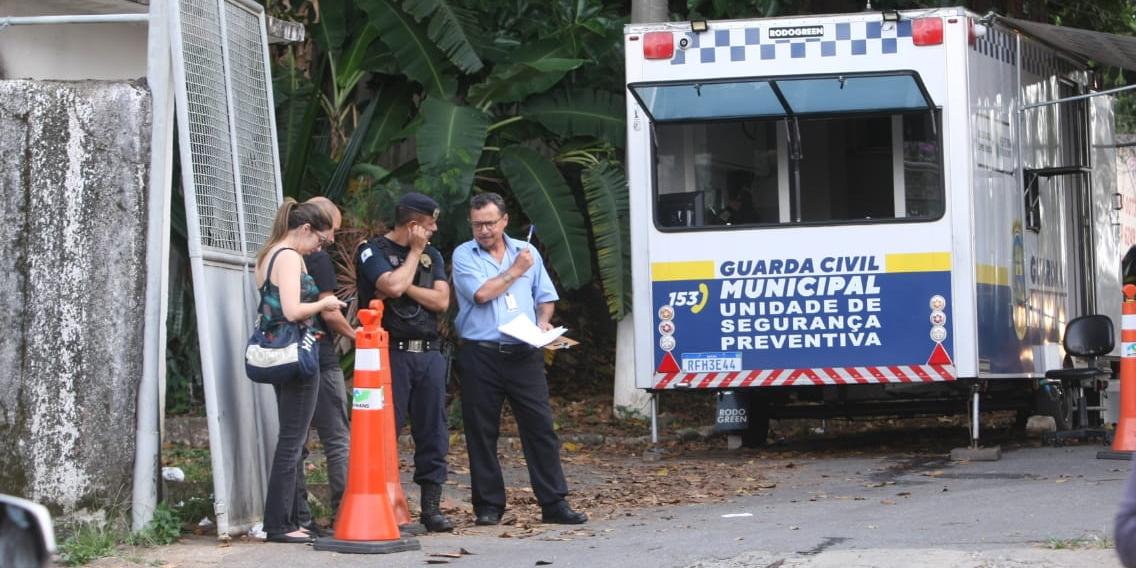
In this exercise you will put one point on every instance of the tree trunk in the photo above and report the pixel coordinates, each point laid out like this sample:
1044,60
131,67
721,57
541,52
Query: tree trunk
628,401
648,11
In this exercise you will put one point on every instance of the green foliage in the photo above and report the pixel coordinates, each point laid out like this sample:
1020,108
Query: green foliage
550,204
91,541
451,82
726,9
87,543
195,463
164,528
606,188
1113,16
451,134
319,509
531,69
184,389
351,68
417,55
453,29
581,112
196,507
390,120
330,29
338,182
315,469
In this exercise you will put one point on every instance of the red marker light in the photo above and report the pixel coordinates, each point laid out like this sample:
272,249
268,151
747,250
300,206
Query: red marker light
658,45
927,31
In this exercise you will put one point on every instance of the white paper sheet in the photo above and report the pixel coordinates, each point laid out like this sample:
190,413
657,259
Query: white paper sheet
523,328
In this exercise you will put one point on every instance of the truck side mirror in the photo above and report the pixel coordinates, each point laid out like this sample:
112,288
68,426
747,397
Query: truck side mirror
26,534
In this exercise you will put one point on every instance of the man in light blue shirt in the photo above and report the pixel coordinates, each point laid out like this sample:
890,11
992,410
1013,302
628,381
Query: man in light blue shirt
496,279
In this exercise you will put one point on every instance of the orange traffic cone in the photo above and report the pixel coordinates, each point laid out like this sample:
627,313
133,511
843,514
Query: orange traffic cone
367,522
394,483
1125,438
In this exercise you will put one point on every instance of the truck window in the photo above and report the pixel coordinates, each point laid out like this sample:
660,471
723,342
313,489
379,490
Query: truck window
853,168
812,150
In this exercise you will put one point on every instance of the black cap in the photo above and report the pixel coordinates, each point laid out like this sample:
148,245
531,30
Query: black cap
418,202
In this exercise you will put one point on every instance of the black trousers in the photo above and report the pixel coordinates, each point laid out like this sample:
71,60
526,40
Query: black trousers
331,421
295,404
488,378
419,384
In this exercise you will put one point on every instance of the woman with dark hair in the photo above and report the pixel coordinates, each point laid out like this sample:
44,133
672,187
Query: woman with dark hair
289,294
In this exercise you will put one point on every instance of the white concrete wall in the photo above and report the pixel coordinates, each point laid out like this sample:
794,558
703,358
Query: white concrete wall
72,51
72,275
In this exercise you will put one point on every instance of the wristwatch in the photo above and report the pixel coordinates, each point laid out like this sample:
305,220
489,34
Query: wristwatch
506,277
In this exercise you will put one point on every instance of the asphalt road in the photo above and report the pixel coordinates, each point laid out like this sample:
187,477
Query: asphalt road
1038,506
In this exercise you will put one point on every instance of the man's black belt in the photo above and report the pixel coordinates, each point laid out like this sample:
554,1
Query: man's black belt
505,347
416,345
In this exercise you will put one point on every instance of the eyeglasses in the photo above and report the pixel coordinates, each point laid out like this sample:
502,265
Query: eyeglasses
482,225
323,241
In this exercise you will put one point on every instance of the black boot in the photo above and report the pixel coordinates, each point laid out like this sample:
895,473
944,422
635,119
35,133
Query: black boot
432,515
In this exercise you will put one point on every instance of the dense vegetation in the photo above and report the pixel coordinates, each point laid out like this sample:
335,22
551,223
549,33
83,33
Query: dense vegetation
522,97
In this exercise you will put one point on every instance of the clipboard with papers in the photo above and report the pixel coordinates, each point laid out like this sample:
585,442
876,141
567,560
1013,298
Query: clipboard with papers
523,328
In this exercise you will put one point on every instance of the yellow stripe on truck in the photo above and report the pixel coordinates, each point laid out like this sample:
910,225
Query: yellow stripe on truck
993,275
918,262
690,270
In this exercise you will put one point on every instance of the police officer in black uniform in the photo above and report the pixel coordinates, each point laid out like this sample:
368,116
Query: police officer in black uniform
409,275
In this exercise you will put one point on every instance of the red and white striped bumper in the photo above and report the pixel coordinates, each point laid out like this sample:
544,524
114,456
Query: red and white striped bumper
806,377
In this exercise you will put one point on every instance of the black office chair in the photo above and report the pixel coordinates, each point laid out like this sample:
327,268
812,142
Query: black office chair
1087,338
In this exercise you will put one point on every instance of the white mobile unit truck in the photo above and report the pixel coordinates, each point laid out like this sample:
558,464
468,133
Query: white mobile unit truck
873,213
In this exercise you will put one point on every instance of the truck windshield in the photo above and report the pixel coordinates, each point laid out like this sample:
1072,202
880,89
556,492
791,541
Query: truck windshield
819,150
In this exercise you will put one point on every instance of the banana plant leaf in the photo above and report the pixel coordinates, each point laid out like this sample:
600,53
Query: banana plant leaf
351,66
578,112
373,171
292,92
331,29
380,60
515,82
548,201
529,70
299,137
389,121
418,57
605,188
452,29
450,134
338,183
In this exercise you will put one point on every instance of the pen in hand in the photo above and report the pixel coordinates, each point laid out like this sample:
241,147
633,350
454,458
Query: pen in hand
528,240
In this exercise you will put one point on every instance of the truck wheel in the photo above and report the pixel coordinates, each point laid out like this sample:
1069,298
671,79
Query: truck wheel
1054,400
757,430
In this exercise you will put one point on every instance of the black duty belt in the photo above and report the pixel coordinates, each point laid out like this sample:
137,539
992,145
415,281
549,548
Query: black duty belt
416,345
505,347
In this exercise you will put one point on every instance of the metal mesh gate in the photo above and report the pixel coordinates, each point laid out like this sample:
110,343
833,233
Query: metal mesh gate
230,174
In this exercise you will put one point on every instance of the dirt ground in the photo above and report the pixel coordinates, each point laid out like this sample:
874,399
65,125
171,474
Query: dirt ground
614,471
